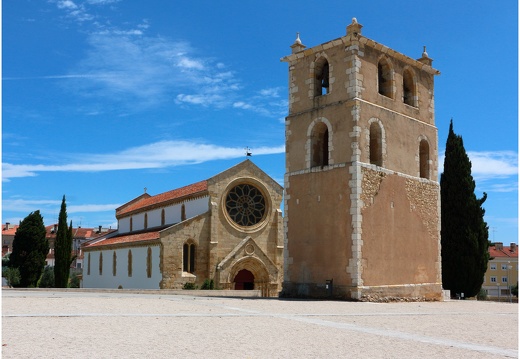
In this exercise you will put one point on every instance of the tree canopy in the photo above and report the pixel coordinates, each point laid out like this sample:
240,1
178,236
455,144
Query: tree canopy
464,233
30,248
62,249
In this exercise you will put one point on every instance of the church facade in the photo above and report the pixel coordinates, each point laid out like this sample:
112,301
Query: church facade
227,229
362,204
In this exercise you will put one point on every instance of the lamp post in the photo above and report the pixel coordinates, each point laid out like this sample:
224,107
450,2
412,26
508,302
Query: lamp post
509,267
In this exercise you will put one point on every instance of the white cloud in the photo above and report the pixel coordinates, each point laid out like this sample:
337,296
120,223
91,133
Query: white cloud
490,164
155,155
102,2
66,4
31,205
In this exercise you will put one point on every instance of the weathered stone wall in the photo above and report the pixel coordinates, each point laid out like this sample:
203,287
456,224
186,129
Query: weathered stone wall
401,242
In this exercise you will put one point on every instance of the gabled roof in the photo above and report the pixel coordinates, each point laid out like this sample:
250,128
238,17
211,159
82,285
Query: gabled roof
500,251
9,230
163,198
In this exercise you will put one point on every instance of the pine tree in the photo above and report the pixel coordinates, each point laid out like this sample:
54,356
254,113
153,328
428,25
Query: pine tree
62,249
464,233
30,248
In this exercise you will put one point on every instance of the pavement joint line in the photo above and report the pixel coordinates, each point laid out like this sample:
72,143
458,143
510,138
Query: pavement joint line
310,319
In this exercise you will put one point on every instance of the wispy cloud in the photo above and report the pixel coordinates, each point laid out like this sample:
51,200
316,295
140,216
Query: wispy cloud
26,206
155,155
129,66
491,164
494,171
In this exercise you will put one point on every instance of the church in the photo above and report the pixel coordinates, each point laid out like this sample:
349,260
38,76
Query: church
362,199
227,229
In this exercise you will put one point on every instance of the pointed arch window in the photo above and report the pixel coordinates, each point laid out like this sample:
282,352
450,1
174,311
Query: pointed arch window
114,264
149,263
131,224
322,77
409,91
163,217
384,78
376,144
188,257
101,263
145,220
424,159
88,264
130,264
320,145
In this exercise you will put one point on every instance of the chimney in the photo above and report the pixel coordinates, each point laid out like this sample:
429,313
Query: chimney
499,246
512,246
99,231
55,229
7,224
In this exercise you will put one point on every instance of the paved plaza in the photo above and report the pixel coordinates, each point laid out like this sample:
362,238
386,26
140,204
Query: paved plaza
117,324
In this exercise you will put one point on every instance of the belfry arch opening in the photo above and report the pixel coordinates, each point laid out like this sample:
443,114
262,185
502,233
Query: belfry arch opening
409,94
384,78
320,145
244,280
321,73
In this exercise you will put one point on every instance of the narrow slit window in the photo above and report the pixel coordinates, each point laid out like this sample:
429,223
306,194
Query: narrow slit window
149,263
320,145
376,145
424,159
188,258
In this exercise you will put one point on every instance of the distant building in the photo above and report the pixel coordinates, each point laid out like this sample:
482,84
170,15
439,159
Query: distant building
79,236
502,271
362,206
226,229
8,232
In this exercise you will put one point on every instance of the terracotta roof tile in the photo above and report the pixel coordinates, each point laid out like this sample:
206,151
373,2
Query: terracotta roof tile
506,251
10,231
164,197
129,238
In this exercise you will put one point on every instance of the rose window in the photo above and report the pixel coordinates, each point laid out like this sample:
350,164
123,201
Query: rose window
245,204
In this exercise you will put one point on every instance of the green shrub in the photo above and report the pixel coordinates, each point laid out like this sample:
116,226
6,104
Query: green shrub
12,275
208,284
47,278
482,294
74,280
189,286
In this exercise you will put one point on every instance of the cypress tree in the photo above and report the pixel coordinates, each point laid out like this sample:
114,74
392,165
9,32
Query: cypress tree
30,248
62,249
464,233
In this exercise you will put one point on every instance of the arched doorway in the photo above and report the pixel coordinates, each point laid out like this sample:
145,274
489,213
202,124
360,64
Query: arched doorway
244,280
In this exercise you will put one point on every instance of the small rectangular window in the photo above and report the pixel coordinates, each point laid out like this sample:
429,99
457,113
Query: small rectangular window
504,266
504,279
493,266
493,279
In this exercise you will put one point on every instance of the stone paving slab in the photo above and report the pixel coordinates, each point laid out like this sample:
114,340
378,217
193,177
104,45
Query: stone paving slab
92,324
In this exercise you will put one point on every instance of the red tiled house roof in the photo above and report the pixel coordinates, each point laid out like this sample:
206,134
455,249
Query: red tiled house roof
497,250
149,202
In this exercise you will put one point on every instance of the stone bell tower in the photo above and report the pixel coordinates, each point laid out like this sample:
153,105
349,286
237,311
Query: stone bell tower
362,210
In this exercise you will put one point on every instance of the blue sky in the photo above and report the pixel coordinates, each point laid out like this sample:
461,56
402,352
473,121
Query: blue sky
102,98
